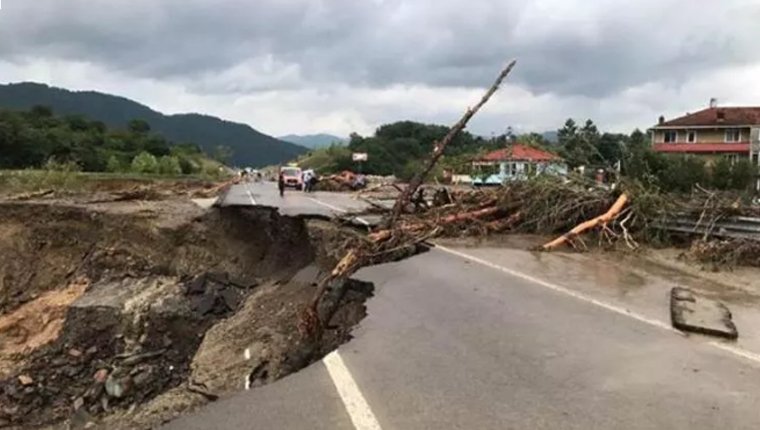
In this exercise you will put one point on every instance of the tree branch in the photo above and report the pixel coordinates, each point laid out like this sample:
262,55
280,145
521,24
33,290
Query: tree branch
419,178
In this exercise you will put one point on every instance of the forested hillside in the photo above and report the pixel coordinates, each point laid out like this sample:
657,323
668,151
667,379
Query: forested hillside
37,138
245,145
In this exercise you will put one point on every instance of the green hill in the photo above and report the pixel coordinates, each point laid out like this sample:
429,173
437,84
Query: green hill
314,141
249,147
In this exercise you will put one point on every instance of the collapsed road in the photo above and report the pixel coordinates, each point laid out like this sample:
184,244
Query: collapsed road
298,204
459,337
125,314
462,336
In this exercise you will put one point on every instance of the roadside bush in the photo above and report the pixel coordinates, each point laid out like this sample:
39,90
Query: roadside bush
145,163
114,165
54,165
168,165
188,166
738,176
742,175
721,174
681,173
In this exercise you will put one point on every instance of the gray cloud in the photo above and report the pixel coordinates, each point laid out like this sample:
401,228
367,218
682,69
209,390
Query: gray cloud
564,47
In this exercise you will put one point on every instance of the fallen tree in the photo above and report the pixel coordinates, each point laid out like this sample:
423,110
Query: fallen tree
600,221
574,207
362,253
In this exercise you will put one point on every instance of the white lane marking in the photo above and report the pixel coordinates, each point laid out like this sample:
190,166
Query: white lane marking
563,290
356,406
247,380
735,350
748,355
336,208
250,195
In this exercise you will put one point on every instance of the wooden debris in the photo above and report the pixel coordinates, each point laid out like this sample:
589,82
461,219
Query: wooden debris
600,221
384,243
439,147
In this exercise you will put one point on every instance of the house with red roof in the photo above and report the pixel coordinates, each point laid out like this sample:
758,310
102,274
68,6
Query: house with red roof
516,162
732,132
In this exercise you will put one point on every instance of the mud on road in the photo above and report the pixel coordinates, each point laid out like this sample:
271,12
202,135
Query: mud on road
128,313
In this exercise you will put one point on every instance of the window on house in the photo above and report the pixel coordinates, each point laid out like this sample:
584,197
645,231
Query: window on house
671,136
733,135
691,136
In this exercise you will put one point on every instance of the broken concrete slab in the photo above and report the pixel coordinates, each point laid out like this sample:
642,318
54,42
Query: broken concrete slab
691,312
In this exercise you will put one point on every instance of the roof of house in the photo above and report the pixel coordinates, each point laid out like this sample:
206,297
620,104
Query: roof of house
519,152
731,116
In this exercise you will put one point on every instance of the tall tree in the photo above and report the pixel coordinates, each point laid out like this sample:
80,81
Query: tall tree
533,139
579,146
611,147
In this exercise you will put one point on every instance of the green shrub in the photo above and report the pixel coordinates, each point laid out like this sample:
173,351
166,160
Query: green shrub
742,175
188,166
114,165
145,163
168,165
54,165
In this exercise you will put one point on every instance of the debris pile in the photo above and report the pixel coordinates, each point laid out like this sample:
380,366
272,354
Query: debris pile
344,181
630,214
725,253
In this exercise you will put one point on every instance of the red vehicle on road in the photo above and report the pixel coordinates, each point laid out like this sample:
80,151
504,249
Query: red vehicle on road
292,177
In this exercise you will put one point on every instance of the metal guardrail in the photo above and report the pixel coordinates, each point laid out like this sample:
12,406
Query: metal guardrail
730,227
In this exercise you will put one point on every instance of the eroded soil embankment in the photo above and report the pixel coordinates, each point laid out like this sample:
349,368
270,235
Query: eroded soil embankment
127,318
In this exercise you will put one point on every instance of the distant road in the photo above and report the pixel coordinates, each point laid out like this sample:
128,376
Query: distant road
457,338
296,203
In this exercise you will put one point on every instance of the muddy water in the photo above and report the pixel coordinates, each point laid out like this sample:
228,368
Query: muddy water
639,282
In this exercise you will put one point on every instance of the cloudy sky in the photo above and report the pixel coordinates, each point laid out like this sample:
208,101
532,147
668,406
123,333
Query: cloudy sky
337,66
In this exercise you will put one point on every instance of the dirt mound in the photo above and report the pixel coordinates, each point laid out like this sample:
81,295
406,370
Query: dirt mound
122,320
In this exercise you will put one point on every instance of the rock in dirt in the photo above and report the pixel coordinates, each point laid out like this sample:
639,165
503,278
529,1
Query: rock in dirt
117,387
101,376
693,313
215,294
25,380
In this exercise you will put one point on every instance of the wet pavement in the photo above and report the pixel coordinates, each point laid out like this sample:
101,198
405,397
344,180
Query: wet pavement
640,282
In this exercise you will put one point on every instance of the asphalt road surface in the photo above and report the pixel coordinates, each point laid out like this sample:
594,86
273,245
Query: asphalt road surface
457,340
295,203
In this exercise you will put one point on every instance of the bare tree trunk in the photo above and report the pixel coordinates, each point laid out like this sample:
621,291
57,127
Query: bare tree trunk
414,184
354,258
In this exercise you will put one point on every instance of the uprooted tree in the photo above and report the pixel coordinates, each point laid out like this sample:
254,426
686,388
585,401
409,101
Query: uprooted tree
382,242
